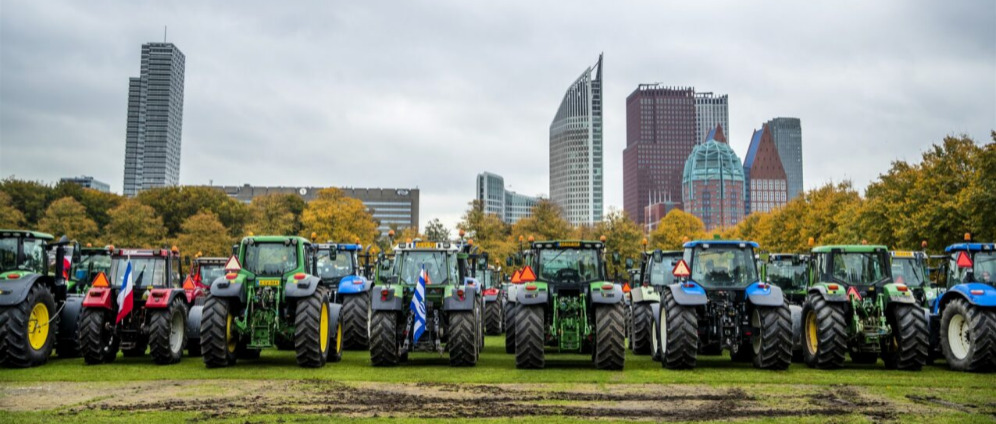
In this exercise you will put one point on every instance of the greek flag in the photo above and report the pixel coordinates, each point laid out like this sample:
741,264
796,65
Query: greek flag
418,304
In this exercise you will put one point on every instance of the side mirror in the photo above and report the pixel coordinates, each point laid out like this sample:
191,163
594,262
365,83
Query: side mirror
235,250
616,258
333,253
629,262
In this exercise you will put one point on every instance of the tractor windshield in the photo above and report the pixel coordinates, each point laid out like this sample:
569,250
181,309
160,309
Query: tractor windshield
859,268
786,274
723,266
270,258
145,272
660,272
983,268
91,263
570,265
211,272
334,269
439,266
32,258
908,271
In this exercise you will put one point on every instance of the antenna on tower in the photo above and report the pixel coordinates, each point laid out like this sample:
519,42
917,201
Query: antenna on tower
164,33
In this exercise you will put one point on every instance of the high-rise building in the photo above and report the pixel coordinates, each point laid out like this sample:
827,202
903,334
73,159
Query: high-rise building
89,182
660,134
711,110
576,149
767,186
713,183
518,206
155,120
787,133
509,206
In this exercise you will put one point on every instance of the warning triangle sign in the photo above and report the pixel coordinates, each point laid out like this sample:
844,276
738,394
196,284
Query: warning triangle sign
681,269
527,274
188,283
100,280
963,260
232,265
515,277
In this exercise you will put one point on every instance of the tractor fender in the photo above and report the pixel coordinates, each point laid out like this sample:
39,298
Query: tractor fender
13,292
603,296
161,298
511,293
964,291
391,302
655,312
471,283
771,295
490,297
222,287
454,303
531,297
893,295
641,294
68,318
796,312
302,288
829,297
194,321
98,297
353,284
334,310
688,296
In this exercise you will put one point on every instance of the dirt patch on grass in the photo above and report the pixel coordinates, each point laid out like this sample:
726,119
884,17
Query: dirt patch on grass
213,399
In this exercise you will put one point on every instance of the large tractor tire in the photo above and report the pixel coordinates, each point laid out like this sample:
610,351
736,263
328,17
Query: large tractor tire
641,329
463,339
824,333
355,326
655,342
610,337
194,316
311,329
679,334
168,333
907,348
492,318
771,343
335,345
27,330
529,336
68,343
384,339
510,309
968,337
98,344
219,339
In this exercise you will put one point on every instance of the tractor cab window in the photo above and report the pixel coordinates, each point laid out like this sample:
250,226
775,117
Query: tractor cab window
723,266
983,268
660,272
211,272
860,269
270,259
439,266
908,271
570,265
334,269
145,272
90,265
786,274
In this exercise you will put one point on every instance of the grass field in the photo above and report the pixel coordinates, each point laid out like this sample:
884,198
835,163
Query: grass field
274,388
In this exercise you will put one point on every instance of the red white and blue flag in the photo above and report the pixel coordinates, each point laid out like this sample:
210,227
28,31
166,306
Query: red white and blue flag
418,304
125,296
67,263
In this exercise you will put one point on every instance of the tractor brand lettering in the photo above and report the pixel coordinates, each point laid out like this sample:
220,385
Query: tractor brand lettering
570,244
900,254
270,282
425,245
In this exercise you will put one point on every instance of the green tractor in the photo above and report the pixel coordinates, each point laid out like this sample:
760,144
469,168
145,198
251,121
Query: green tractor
854,307
910,268
267,295
568,303
648,284
790,272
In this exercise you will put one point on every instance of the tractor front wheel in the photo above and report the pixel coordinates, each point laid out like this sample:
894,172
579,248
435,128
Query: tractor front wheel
641,328
492,318
510,310
679,334
771,342
219,337
824,330
354,316
168,335
529,336
26,329
462,342
97,341
384,338
311,329
968,337
610,339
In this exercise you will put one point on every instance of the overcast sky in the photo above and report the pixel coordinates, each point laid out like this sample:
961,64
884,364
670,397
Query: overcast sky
428,94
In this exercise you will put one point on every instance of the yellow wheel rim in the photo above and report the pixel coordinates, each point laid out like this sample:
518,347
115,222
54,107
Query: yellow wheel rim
228,334
338,338
811,340
38,326
323,327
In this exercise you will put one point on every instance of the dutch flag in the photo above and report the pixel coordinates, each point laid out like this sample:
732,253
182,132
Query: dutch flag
125,296
418,304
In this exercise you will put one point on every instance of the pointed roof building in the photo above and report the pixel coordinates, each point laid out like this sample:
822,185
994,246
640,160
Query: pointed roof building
766,180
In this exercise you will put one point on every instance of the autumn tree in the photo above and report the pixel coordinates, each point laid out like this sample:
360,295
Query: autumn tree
29,197
622,236
436,231
68,217
489,232
333,216
204,233
177,203
674,228
273,214
134,225
546,222
10,217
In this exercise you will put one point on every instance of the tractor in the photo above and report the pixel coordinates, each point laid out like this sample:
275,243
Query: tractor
650,280
964,316
91,261
158,305
790,272
565,300
494,296
203,270
339,268
32,299
719,302
267,294
427,303
854,307
910,268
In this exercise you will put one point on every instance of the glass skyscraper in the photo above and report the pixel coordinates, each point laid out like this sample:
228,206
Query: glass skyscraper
576,149
155,120
509,206
787,133
711,110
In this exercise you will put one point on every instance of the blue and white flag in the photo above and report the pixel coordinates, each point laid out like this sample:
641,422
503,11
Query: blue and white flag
418,304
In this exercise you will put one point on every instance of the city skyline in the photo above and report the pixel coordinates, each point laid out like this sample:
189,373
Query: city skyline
326,92
576,150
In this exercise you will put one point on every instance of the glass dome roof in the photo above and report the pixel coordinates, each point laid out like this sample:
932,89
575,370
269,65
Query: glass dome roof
713,160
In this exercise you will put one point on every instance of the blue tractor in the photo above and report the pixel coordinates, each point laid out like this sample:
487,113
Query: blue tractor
720,301
339,267
964,317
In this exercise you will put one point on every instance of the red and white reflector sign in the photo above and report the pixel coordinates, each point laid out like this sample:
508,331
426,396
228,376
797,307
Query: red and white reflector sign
233,265
963,260
681,269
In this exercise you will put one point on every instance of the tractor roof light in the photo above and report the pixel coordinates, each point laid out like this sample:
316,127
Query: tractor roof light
968,236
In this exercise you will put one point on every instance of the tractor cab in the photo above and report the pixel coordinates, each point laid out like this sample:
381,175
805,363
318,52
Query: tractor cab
150,268
910,268
655,271
971,263
335,262
23,252
92,261
204,270
439,260
788,271
721,266
861,270
568,265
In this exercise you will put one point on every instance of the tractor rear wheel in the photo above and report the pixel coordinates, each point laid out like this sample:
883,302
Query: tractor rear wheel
679,334
655,342
168,334
335,345
492,318
529,336
97,341
27,329
642,326
968,337
354,316
510,309
462,343
311,329
907,348
219,338
771,342
610,339
824,330
384,338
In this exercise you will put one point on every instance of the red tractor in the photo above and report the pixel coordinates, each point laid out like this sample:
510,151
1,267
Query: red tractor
203,271
138,305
